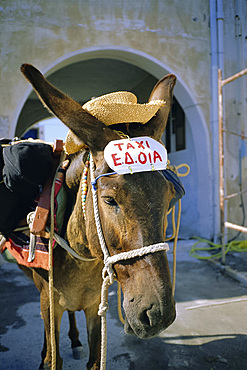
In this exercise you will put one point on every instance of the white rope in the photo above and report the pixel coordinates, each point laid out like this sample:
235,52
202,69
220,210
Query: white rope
51,279
103,307
2,241
50,273
107,273
97,221
136,253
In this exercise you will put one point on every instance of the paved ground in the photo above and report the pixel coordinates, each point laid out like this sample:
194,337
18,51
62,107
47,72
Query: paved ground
210,331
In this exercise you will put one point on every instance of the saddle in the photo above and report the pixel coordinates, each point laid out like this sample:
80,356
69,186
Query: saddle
17,245
27,169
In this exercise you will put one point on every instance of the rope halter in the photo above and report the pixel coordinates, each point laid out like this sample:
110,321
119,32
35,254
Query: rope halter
107,273
110,260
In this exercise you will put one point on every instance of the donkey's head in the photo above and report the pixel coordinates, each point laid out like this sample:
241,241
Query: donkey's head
132,208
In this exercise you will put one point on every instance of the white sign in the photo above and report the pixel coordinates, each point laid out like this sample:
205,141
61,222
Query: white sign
137,154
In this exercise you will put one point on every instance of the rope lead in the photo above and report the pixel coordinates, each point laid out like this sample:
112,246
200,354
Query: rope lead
107,273
51,277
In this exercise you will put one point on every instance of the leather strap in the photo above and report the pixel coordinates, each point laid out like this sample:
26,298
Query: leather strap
43,208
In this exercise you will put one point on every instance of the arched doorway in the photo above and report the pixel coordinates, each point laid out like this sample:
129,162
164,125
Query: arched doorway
93,72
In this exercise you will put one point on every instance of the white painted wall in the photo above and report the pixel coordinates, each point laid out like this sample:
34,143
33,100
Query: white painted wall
158,36
51,129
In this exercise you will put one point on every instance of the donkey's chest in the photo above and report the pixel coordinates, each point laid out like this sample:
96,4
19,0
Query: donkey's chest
79,288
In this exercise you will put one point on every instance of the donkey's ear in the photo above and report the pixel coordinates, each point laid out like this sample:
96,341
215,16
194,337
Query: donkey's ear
87,128
163,90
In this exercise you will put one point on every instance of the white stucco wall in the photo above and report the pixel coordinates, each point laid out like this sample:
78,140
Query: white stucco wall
41,32
176,34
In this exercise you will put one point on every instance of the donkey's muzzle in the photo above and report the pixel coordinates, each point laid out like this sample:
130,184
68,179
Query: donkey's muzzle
147,321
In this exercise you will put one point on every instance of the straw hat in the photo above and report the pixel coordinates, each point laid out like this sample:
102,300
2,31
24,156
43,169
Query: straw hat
113,108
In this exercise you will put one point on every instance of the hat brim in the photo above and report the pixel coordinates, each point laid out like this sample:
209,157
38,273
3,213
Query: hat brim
114,112
72,144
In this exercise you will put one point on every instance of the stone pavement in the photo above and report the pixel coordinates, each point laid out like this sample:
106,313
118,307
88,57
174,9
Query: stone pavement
210,331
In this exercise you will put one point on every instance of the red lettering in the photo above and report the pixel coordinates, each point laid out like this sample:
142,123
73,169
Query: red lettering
157,156
115,160
142,158
140,145
147,143
129,145
149,156
128,158
119,145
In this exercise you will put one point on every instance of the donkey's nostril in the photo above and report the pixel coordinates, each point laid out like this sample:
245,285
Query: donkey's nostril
150,316
144,319
153,315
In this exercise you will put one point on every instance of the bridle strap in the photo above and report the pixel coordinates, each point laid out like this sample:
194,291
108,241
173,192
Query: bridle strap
107,272
110,260
97,218
134,253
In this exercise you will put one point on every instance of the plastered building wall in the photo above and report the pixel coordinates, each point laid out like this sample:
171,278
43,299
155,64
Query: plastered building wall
235,111
176,33
40,32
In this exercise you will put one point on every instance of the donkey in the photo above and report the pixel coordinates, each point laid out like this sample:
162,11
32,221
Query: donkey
133,211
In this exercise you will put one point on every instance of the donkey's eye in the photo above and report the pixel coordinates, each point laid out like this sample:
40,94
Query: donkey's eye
110,201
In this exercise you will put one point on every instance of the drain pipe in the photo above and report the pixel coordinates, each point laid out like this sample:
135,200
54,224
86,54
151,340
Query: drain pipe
214,119
217,62
220,26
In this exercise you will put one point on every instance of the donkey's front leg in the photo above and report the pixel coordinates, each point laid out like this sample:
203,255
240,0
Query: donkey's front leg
76,345
43,353
94,337
45,311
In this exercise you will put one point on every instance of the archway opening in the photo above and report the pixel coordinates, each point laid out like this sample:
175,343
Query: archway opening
86,79
87,74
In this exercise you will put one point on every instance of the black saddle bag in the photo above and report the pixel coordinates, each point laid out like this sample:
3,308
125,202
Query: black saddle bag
24,169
